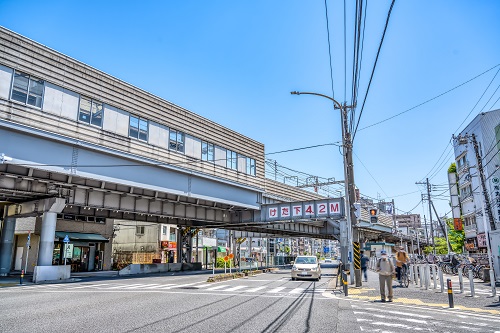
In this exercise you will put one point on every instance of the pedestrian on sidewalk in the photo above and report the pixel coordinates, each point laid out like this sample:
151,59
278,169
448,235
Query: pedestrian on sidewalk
364,265
385,269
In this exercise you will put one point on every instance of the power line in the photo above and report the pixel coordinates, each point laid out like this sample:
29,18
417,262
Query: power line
302,148
329,48
429,100
373,69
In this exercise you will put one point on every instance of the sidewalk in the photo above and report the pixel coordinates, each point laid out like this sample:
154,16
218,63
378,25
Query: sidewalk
13,279
419,296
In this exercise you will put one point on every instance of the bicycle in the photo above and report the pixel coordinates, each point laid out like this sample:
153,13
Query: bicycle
405,277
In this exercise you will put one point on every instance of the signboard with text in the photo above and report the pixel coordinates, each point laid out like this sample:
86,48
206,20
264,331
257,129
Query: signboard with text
332,208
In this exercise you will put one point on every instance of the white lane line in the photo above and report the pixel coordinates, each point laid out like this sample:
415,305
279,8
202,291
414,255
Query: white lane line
235,288
319,290
297,291
253,290
276,290
218,287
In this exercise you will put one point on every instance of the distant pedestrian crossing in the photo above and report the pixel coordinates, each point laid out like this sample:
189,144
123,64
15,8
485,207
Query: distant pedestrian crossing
390,318
200,286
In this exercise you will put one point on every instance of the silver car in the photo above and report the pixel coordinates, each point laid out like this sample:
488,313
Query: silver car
306,267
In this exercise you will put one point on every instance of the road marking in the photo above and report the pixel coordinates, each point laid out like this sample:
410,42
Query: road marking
217,287
255,289
91,286
235,288
297,291
180,285
276,290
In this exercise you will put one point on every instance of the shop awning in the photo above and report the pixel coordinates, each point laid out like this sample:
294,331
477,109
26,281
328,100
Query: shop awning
77,236
221,249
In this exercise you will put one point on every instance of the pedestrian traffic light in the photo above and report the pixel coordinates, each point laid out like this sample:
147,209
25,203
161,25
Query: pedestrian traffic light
373,215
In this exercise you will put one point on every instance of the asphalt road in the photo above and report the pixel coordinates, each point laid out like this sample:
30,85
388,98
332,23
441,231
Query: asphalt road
268,302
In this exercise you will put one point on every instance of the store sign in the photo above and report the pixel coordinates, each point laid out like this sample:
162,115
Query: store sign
333,208
495,182
457,223
481,240
164,244
172,245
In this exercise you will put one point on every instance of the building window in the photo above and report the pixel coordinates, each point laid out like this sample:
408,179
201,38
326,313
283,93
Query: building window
176,141
164,231
27,89
139,230
207,151
90,111
466,192
231,160
138,128
250,166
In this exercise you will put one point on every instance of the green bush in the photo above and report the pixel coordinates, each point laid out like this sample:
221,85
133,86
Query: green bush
220,263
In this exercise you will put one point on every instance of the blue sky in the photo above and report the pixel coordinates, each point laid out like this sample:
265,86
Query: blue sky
235,62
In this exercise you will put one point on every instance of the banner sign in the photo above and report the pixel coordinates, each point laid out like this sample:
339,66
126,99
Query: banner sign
333,208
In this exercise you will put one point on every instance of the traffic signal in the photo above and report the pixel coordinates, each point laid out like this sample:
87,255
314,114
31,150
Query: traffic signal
373,215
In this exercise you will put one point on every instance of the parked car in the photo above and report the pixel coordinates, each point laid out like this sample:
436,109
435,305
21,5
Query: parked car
306,267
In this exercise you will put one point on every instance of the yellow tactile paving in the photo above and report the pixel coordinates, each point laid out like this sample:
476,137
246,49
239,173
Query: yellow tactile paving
357,294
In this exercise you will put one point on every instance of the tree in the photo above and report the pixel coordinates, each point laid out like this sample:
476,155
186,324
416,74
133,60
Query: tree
456,237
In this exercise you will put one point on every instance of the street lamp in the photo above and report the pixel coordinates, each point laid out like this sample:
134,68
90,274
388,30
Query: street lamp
352,235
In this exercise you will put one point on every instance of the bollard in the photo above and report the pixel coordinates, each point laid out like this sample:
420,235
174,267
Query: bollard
450,293
427,276
344,281
461,281
434,277
415,274
22,277
471,279
441,280
410,269
420,275
493,283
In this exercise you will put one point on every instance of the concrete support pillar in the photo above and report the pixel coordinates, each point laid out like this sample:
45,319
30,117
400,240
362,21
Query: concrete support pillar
179,245
47,236
7,245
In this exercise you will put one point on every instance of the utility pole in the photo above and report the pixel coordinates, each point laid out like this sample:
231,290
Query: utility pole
430,212
352,232
483,184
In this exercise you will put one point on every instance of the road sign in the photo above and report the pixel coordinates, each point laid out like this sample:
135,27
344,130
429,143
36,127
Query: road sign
226,258
66,239
231,256
68,251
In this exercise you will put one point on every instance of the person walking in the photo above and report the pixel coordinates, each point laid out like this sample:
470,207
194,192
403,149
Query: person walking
364,266
385,269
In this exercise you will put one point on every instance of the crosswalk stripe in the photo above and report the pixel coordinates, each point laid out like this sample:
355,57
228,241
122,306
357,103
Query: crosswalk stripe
297,291
180,285
235,288
91,286
217,287
276,290
253,290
